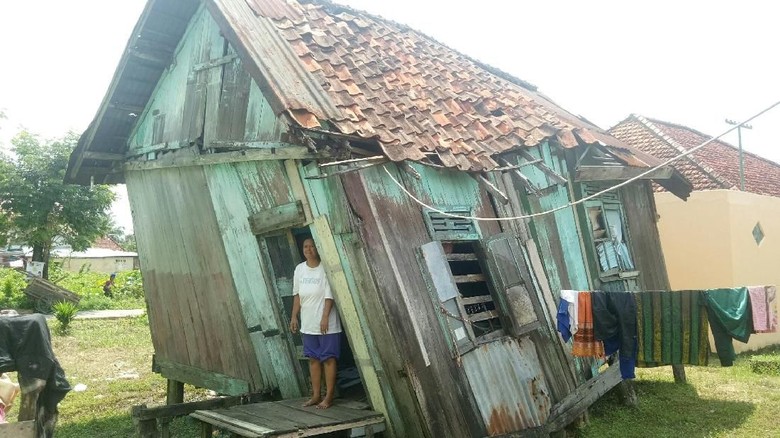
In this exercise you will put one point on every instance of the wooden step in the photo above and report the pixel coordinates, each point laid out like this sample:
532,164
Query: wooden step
477,300
469,278
483,316
461,257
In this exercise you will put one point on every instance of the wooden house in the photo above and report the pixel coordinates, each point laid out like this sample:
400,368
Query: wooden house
240,126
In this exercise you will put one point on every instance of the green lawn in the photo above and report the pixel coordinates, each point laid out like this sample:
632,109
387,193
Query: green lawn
113,359
716,402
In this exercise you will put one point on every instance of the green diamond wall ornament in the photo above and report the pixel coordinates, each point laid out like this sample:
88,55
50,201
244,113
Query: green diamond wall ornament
758,233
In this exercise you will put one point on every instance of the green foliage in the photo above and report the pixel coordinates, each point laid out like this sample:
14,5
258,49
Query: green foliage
128,290
38,206
64,311
12,285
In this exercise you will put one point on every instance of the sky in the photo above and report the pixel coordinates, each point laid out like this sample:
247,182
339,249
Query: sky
694,63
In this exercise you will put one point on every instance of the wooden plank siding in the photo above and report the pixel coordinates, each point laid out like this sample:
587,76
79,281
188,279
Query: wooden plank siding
198,100
234,200
379,361
392,229
645,241
193,307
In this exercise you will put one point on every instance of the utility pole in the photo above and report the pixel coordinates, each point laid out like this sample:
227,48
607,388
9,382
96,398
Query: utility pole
741,157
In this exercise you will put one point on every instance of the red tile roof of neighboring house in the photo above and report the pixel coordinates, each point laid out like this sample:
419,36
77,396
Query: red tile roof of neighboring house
106,243
715,166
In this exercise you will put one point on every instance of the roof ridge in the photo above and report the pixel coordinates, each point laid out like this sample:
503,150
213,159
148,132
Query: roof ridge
725,143
495,71
650,124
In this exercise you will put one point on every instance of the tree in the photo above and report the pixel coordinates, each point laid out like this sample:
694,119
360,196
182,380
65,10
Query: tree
39,207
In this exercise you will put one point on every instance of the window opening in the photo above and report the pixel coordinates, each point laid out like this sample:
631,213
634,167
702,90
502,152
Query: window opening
475,299
608,233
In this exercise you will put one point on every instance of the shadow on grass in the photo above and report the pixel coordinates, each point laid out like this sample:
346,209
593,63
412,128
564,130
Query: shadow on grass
665,409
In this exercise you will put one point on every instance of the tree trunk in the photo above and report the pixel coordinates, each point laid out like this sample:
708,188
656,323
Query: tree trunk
41,254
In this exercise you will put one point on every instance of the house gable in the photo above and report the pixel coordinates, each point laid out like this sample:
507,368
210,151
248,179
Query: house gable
205,99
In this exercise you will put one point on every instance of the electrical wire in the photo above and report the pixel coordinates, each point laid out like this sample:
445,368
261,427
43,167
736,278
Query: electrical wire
587,198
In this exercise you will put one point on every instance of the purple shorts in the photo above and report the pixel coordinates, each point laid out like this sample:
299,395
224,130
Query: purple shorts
322,347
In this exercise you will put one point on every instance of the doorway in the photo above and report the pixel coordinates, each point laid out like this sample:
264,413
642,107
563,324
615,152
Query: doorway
283,250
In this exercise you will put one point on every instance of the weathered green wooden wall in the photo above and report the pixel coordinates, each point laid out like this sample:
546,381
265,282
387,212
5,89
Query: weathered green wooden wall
198,103
557,234
194,102
190,290
641,215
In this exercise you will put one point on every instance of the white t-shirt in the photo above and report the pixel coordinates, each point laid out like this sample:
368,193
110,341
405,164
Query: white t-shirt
312,286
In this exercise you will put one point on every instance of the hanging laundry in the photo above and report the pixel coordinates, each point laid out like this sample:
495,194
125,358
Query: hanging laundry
762,304
672,328
567,314
730,317
615,323
585,344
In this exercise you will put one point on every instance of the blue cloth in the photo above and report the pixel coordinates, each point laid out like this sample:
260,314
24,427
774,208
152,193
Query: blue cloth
627,362
563,320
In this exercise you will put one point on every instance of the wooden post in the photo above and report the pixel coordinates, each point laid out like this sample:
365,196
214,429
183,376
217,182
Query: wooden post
628,391
206,430
175,393
679,373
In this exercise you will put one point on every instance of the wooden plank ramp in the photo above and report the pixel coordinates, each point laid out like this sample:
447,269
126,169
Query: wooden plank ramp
288,418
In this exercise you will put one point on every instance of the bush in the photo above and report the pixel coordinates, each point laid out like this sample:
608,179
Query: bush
128,290
64,311
12,285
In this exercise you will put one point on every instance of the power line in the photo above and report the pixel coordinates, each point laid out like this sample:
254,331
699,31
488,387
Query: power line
587,198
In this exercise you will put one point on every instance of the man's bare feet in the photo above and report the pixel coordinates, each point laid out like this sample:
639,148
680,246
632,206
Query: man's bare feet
325,404
312,401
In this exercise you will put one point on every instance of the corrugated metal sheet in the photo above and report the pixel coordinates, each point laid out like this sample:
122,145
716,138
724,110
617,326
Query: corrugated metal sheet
507,383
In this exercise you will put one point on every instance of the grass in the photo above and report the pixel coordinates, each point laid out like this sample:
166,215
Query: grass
113,359
716,402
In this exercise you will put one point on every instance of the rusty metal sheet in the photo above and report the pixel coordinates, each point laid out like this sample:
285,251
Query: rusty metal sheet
508,385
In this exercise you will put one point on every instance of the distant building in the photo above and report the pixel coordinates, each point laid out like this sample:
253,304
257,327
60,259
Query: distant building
104,255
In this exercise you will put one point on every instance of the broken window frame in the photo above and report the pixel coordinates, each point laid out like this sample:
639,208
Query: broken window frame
624,260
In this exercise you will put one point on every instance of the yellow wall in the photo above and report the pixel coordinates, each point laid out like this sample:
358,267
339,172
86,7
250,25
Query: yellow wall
708,243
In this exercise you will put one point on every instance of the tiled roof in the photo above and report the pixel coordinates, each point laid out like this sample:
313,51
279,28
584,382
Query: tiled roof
715,166
417,97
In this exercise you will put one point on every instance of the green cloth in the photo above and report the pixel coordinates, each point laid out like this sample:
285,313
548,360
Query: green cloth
730,317
672,328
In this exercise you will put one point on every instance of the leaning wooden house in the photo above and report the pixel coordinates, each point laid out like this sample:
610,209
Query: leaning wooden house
227,120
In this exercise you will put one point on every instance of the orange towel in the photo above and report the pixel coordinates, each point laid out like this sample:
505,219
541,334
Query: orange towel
585,343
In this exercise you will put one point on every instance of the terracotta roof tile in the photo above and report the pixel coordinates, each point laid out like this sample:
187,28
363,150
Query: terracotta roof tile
404,89
715,166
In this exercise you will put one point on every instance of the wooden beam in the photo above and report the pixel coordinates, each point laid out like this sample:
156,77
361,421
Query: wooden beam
222,144
214,63
493,190
544,168
619,173
575,404
142,413
137,110
103,156
282,216
158,59
285,153
199,377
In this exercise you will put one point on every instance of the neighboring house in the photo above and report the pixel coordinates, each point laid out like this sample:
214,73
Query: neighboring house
226,120
95,259
720,237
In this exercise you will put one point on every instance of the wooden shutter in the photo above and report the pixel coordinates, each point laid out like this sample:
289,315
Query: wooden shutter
442,284
512,282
